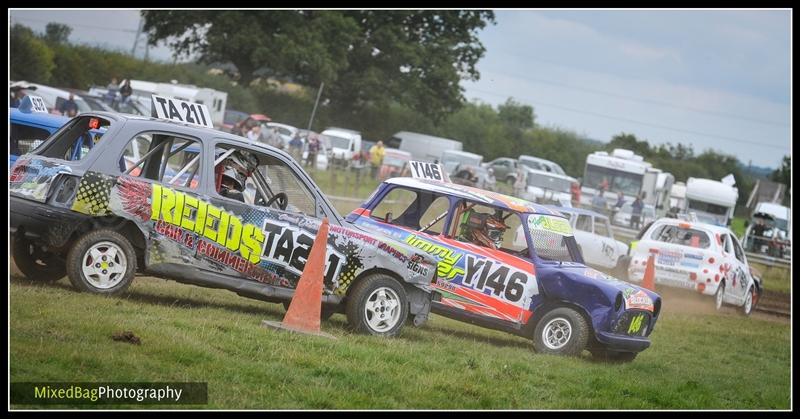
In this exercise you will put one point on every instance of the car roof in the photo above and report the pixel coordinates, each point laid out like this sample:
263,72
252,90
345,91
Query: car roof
696,225
188,129
278,124
39,118
461,153
474,194
580,211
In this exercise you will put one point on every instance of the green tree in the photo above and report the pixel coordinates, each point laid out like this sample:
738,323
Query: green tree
57,33
629,142
366,58
516,115
29,57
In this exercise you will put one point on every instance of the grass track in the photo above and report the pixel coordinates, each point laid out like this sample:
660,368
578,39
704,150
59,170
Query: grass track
715,361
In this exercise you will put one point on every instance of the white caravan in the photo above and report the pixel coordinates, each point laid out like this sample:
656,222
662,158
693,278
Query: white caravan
626,172
712,201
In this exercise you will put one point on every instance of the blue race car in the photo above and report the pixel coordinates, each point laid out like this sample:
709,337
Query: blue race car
511,265
29,129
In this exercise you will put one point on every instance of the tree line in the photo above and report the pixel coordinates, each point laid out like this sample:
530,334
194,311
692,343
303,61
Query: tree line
507,130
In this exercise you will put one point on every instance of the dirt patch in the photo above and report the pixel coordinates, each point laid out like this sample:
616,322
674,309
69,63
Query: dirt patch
678,301
127,337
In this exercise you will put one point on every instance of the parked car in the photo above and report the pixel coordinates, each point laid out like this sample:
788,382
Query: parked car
537,163
511,265
394,163
96,103
769,231
345,144
28,129
623,216
545,187
246,224
423,147
596,240
232,118
455,159
53,98
285,132
697,256
505,169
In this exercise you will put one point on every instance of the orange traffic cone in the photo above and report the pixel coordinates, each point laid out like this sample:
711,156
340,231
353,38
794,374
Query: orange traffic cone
306,305
650,273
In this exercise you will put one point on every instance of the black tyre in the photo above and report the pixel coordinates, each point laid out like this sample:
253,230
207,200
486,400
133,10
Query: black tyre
719,296
325,313
749,301
377,305
510,180
36,263
613,356
562,331
102,262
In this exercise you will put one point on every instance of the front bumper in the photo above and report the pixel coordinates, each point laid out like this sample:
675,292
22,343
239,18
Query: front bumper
43,223
622,343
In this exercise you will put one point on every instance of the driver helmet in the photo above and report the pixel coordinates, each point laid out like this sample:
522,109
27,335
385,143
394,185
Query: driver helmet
484,229
231,176
495,227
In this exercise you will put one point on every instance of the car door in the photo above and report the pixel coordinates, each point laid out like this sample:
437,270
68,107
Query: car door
473,280
741,271
609,248
273,219
590,246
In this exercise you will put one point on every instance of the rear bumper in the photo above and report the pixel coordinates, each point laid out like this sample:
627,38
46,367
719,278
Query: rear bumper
43,223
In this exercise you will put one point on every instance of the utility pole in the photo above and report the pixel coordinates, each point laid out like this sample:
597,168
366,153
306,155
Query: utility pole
136,40
316,102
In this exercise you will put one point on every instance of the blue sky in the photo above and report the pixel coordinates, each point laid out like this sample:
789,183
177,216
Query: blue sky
712,79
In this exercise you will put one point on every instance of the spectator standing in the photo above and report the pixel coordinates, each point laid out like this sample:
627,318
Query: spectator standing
619,204
521,181
313,150
604,184
254,134
575,192
599,203
636,215
111,94
125,92
16,97
376,154
69,107
296,148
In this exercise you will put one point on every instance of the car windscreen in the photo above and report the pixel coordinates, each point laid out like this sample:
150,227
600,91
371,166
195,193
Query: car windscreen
532,164
548,182
682,236
707,207
338,142
394,161
617,180
551,236
557,169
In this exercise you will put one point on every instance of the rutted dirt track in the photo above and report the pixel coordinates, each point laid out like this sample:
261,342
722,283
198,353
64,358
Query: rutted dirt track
687,302
679,301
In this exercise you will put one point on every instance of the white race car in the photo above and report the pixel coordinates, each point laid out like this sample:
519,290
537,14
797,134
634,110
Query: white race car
697,256
596,240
